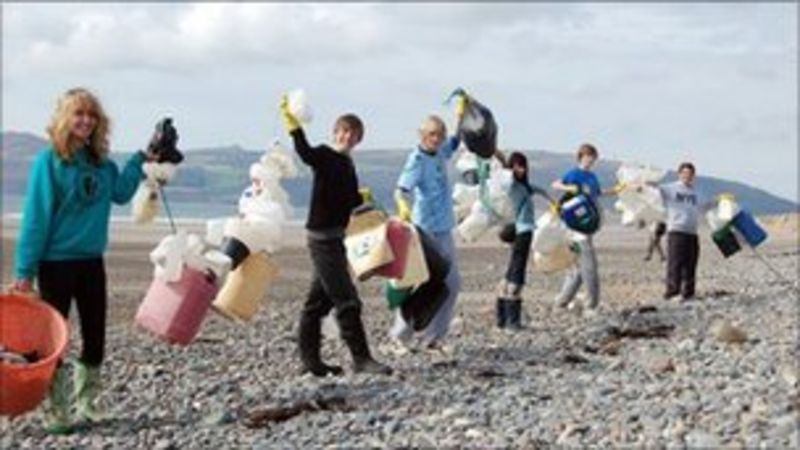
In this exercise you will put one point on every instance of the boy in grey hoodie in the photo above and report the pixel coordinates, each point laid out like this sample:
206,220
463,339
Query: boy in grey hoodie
684,204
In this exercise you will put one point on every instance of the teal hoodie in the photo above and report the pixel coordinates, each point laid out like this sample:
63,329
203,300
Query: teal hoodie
68,205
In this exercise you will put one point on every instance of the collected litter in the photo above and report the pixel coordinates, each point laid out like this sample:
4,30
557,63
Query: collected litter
12,357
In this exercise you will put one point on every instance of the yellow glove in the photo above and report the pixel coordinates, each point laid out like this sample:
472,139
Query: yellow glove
366,195
555,209
461,106
572,188
290,122
619,187
403,208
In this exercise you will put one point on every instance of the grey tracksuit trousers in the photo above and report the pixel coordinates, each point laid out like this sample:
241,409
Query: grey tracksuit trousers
585,272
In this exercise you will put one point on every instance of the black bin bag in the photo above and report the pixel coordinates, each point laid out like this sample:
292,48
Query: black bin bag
423,304
478,129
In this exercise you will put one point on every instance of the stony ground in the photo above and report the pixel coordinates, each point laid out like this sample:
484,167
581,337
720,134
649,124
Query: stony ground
718,371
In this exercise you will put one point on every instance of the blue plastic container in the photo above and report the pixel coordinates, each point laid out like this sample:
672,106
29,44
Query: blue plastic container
580,213
750,230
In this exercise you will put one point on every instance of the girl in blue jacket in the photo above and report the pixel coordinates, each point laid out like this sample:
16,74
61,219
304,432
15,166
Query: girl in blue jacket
64,234
508,308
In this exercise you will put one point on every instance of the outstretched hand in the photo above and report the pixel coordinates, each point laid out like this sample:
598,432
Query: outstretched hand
163,146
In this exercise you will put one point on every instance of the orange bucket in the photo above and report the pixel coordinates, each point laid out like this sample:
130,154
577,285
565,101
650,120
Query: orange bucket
28,324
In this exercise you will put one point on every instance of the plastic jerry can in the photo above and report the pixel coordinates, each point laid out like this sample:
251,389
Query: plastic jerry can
399,236
726,241
242,294
751,231
175,310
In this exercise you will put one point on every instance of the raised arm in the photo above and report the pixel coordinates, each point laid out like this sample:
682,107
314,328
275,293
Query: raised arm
307,153
301,145
453,142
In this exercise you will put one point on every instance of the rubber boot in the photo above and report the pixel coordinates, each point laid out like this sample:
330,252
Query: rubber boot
56,412
514,314
352,332
88,386
310,341
501,312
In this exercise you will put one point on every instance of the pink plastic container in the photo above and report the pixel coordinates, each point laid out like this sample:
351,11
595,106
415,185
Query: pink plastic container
399,236
174,311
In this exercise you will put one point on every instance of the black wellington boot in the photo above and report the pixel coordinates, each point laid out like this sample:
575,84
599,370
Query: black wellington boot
501,312
353,334
514,314
310,341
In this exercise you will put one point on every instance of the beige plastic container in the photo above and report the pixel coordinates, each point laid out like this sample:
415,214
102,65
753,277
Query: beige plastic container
243,291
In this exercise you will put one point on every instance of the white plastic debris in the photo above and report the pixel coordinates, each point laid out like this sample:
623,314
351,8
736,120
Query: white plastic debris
299,107
474,216
639,201
264,206
182,249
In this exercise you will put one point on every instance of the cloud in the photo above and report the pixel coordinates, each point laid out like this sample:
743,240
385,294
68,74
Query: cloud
197,36
641,80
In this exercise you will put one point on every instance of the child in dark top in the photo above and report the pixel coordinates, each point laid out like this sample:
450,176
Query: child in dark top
334,195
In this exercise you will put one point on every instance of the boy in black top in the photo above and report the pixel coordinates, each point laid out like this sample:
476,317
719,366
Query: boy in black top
334,195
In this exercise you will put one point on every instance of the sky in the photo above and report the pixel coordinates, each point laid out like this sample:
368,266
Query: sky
655,83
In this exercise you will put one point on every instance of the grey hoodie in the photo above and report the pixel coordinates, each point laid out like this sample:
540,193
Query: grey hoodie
684,206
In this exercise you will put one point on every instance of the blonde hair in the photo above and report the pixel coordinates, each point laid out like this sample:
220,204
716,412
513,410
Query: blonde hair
60,133
433,123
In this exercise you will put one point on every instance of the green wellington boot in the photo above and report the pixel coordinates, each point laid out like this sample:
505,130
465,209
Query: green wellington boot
87,389
56,411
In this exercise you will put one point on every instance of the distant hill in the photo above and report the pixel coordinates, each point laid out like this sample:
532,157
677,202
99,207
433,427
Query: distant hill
210,180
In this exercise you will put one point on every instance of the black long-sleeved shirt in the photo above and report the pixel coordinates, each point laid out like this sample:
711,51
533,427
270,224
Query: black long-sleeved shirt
334,194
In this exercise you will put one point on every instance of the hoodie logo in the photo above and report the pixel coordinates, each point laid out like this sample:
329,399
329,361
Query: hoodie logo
89,187
686,198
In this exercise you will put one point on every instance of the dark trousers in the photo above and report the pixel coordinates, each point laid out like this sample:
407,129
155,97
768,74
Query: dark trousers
683,251
655,241
520,252
331,286
85,281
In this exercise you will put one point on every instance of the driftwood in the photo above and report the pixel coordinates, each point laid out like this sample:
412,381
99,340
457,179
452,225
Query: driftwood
263,417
